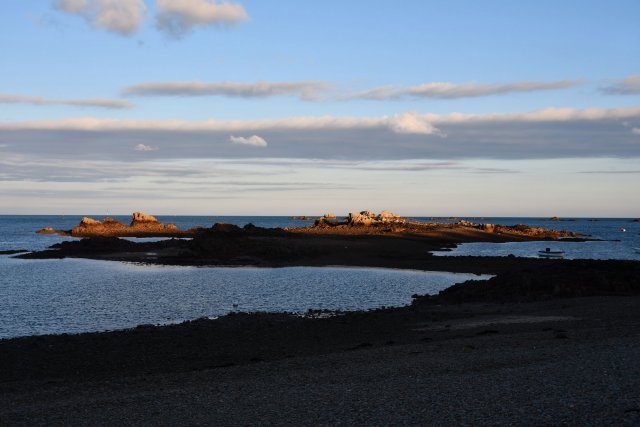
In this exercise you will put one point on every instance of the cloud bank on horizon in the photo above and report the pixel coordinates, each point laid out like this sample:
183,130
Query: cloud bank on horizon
543,134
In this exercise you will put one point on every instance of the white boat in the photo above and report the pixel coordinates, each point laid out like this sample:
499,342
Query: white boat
548,253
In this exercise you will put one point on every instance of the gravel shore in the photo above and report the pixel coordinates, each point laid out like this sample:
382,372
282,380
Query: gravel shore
569,361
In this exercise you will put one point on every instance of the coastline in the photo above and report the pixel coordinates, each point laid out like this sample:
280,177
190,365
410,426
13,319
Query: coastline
535,315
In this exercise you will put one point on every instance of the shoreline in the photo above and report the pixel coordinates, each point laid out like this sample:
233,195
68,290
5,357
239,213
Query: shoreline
562,318
183,373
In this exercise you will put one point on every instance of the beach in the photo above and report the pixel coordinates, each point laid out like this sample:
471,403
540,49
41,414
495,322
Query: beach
560,361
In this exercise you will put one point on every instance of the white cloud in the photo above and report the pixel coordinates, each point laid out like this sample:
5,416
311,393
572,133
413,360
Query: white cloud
179,16
120,16
37,100
306,90
635,131
412,123
142,147
444,90
254,140
630,85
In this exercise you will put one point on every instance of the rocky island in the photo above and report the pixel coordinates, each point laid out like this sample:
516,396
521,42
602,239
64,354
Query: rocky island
360,239
142,225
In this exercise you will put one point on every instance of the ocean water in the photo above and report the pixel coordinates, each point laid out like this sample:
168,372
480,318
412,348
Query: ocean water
619,238
73,295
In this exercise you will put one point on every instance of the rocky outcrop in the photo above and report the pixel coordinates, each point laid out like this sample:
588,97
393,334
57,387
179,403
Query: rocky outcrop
367,218
48,230
142,225
138,218
88,222
489,228
518,230
328,216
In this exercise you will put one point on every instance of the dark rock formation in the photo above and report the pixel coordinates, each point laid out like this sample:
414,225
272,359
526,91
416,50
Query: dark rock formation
563,279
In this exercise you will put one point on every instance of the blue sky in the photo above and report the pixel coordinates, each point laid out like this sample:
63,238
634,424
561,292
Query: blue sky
421,107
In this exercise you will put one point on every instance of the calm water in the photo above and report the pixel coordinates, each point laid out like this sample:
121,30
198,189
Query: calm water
616,244
72,295
56,296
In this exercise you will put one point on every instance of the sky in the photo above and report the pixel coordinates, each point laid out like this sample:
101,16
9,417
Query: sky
431,108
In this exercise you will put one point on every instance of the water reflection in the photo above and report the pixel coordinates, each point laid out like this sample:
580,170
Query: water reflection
72,295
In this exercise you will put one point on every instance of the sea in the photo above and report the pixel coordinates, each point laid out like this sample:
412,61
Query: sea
39,297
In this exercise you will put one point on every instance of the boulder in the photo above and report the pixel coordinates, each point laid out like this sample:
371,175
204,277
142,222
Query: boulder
329,216
366,218
141,217
89,222
489,228
47,230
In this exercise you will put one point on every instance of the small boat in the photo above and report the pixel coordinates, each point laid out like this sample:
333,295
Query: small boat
548,253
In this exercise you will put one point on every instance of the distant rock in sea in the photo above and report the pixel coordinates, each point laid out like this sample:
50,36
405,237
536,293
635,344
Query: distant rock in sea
370,218
142,225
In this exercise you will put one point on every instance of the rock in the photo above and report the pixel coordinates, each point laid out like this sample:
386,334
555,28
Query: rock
89,222
141,217
554,218
328,216
110,222
13,251
362,218
489,228
387,215
225,228
47,230
366,218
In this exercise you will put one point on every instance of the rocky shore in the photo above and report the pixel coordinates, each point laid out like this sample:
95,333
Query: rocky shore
361,239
